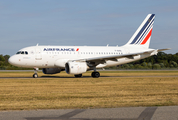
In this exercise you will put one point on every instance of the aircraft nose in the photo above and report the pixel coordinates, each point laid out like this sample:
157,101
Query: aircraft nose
10,60
13,60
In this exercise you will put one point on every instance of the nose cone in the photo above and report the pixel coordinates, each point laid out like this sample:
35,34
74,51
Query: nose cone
13,60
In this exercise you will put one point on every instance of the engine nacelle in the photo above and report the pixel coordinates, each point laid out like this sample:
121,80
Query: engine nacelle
75,67
51,70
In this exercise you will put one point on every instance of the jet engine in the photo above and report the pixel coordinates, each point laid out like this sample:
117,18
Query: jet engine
51,70
75,67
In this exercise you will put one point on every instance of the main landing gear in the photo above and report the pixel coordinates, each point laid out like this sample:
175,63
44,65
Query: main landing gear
95,74
35,75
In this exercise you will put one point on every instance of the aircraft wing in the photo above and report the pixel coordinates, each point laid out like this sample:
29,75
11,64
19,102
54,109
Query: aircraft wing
102,59
131,55
115,57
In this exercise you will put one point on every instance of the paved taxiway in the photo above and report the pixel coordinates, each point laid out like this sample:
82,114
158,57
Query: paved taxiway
125,113
89,77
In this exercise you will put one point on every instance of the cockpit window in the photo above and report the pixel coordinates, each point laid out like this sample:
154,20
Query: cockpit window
26,52
19,52
22,52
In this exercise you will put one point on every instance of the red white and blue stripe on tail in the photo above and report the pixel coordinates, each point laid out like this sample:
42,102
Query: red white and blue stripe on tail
143,34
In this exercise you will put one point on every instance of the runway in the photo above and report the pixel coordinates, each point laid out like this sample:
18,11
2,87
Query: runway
88,77
124,113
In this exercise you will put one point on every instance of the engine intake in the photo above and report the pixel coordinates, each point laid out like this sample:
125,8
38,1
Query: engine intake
75,67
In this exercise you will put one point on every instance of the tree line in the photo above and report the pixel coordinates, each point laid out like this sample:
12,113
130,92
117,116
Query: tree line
159,61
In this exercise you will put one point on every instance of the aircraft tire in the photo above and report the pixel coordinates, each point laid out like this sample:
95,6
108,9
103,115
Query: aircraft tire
95,74
35,75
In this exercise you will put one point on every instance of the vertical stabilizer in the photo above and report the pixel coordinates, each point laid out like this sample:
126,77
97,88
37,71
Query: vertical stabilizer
142,35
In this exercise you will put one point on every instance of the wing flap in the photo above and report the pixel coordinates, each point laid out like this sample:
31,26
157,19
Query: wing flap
102,59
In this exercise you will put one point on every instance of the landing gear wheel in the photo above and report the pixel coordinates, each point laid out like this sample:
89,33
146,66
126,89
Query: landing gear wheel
79,75
95,74
35,75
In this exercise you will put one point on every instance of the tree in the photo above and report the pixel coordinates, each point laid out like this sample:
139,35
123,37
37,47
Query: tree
6,57
144,64
2,58
156,66
150,65
162,65
174,64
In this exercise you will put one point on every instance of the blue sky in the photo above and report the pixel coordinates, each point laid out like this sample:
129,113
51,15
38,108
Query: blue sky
84,22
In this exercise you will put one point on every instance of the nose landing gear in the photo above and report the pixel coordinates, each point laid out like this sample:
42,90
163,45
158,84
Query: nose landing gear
35,75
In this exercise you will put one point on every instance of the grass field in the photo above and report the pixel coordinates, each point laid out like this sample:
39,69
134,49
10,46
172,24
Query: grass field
124,88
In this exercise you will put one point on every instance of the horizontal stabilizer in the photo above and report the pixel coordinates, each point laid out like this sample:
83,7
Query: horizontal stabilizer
159,50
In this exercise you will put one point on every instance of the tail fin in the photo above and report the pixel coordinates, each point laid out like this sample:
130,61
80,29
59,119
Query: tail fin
143,34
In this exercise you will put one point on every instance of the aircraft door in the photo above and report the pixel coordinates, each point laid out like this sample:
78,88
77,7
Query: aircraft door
38,54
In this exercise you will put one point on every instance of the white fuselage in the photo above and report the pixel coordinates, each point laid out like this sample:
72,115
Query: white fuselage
57,56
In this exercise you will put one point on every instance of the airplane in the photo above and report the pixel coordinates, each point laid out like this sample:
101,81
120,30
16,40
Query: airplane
77,60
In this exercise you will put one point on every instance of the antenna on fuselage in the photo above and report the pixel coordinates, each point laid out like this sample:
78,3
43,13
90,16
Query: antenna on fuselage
37,44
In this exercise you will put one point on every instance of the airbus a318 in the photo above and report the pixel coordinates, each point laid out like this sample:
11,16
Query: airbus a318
77,60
